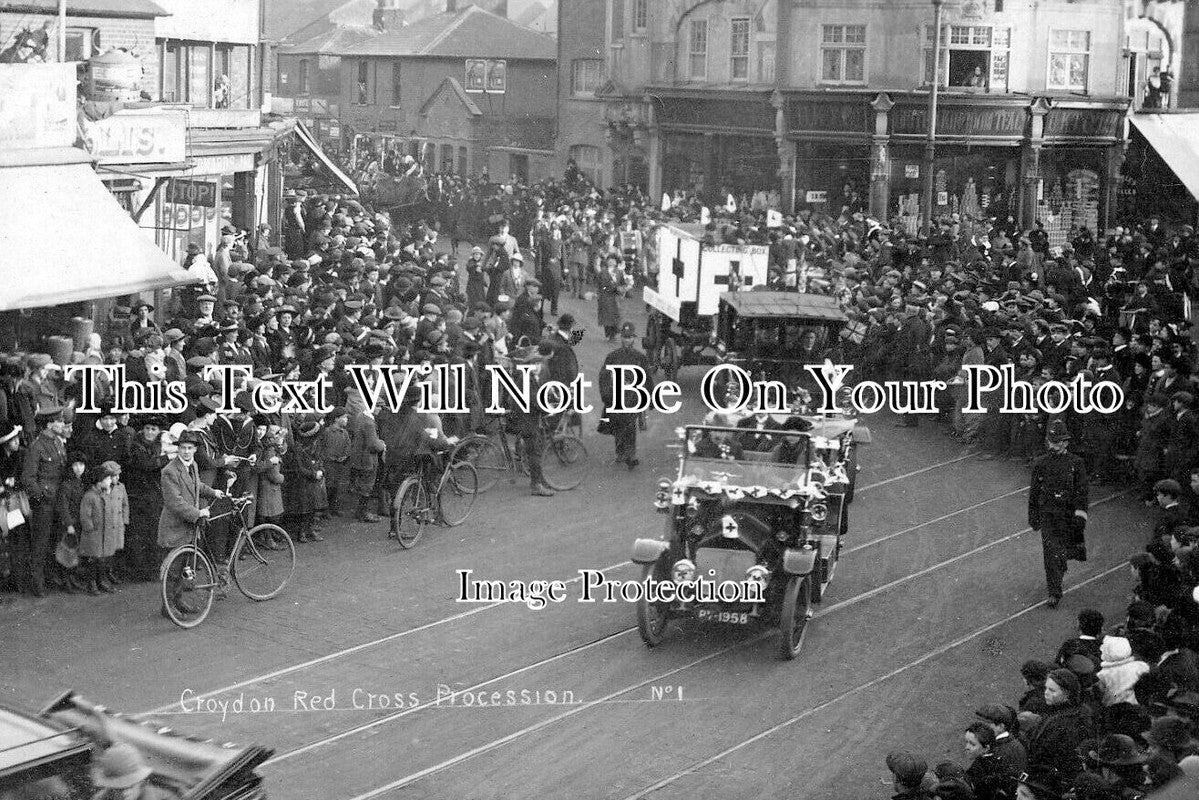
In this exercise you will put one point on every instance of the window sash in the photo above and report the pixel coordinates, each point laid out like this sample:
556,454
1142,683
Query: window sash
397,83
585,76
843,54
697,49
640,14
362,90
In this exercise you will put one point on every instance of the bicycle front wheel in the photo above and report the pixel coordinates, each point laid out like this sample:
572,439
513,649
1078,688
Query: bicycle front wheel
485,456
565,464
408,513
456,492
259,573
188,585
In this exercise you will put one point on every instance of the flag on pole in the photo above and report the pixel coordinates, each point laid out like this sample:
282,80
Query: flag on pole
774,219
665,201
731,205
705,216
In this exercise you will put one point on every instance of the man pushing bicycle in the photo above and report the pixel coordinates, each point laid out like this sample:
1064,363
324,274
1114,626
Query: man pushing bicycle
182,492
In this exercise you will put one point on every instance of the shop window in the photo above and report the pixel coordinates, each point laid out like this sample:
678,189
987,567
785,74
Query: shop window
585,76
739,49
766,59
361,93
518,166
1069,60
697,49
175,73
305,86
397,82
587,158
640,15
843,54
972,57
82,43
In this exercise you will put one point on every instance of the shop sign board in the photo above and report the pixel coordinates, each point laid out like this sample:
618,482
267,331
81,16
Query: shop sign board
37,105
138,138
1087,123
847,117
911,170
192,193
952,121
816,197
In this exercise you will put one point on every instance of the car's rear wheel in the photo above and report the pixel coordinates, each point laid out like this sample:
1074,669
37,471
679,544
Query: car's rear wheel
652,618
793,616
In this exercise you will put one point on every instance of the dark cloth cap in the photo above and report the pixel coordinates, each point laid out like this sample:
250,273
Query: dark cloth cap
908,769
997,713
1067,680
628,329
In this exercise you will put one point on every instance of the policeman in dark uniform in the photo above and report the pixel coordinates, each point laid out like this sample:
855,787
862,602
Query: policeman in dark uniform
44,464
1057,506
623,426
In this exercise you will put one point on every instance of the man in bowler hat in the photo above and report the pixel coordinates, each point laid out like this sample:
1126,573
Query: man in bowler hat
1057,506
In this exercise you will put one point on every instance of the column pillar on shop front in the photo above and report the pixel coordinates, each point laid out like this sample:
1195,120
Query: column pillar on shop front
710,153
653,148
1109,207
1030,163
786,152
880,157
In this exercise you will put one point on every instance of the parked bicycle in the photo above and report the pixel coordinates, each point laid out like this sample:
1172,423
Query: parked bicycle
565,461
261,562
437,493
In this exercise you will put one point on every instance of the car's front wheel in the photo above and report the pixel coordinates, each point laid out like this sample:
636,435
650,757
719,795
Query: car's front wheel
794,614
652,618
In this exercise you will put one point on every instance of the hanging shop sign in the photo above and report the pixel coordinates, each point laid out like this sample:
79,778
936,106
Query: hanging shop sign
138,138
192,193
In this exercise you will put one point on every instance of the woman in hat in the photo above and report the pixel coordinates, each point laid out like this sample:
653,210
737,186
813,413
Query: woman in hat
12,497
102,517
611,286
303,481
1053,744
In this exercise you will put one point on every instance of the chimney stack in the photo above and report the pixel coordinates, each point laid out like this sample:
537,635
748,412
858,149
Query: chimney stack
388,15
497,7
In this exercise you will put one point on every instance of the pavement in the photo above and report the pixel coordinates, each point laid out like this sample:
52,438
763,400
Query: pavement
369,680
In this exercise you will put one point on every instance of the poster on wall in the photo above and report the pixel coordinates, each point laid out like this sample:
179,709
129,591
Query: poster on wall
486,75
476,75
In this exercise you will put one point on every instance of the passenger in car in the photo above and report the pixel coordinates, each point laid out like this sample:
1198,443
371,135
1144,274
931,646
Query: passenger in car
791,449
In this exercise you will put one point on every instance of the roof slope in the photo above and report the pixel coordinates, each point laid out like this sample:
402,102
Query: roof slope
471,33
333,39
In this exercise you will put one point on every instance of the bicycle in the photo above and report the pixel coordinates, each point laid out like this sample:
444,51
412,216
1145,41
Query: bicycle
259,569
416,504
564,464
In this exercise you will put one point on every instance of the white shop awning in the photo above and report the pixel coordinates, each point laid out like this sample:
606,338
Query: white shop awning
305,136
66,239
1175,137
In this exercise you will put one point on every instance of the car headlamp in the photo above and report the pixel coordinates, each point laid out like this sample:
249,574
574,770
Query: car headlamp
819,512
758,574
662,496
683,571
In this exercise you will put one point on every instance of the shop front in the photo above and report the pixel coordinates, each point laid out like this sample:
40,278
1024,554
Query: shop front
715,143
997,156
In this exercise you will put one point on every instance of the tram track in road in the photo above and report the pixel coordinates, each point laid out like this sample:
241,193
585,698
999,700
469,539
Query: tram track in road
665,675
858,689
281,672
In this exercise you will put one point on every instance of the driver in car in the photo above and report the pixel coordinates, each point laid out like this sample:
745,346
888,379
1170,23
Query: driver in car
715,444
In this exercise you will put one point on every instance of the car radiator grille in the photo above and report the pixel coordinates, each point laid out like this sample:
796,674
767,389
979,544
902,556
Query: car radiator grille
716,564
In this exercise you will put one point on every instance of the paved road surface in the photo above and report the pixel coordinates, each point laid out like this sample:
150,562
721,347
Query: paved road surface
382,686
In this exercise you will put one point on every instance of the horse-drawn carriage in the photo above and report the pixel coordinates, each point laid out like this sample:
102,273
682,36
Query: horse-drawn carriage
692,273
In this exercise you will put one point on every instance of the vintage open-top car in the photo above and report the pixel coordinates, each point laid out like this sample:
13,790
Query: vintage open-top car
765,506
51,755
